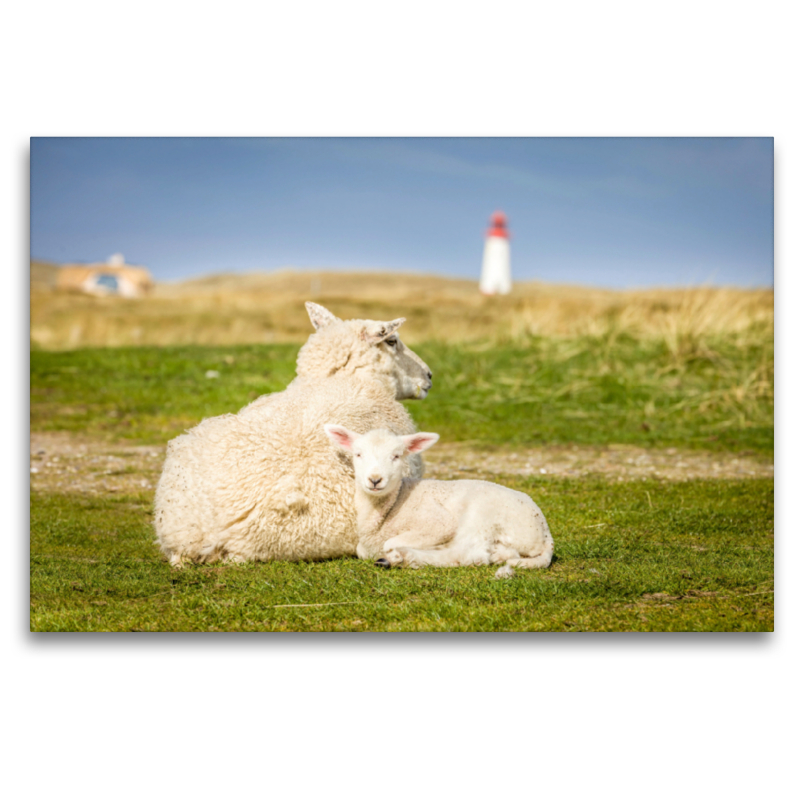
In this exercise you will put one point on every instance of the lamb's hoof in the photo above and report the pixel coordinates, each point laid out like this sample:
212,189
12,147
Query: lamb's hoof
382,562
504,572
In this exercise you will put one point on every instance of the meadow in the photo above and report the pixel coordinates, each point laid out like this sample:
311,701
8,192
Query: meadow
617,381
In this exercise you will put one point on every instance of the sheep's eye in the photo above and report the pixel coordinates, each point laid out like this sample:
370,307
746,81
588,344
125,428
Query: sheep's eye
357,455
391,342
394,458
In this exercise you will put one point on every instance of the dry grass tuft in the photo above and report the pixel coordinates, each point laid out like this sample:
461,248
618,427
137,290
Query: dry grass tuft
268,307
683,318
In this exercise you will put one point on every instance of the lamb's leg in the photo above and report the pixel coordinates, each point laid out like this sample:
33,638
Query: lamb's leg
453,556
419,539
394,548
411,557
532,563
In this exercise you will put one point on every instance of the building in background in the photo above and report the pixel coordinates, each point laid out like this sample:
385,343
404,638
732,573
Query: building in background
114,277
496,271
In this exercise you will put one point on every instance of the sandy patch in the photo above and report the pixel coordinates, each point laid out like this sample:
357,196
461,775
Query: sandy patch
615,462
65,462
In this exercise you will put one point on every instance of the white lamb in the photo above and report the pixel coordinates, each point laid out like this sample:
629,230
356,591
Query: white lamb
264,484
407,522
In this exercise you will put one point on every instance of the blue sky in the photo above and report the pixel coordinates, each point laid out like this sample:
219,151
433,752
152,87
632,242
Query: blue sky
604,212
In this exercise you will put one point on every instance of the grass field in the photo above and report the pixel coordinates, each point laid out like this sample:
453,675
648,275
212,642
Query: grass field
675,556
266,308
584,390
687,378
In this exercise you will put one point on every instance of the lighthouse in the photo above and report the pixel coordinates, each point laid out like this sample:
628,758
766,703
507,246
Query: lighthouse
496,272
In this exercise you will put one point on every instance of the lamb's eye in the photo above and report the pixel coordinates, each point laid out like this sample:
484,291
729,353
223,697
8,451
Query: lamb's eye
391,342
394,458
357,455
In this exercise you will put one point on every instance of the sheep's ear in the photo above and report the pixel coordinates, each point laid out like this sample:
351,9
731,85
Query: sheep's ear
320,316
382,330
418,442
340,436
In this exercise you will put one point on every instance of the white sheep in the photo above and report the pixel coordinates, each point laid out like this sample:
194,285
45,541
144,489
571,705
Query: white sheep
264,484
407,522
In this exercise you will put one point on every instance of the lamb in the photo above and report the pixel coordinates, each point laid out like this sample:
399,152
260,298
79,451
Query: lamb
403,521
264,484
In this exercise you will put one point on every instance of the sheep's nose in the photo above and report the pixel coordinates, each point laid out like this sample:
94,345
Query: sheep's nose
375,481
430,375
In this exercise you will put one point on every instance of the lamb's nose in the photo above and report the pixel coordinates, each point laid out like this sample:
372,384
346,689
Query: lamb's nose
375,481
430,375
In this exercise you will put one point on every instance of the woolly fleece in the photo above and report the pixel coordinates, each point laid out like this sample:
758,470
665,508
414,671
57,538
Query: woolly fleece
264,484
409,522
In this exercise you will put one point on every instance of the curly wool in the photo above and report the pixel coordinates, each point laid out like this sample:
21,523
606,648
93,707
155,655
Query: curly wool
406,522
264,484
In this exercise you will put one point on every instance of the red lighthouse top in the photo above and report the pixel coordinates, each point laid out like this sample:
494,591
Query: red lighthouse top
499,225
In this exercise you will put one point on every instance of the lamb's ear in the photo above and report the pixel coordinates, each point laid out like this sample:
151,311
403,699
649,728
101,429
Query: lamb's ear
320,316
340,436
382,331
418,442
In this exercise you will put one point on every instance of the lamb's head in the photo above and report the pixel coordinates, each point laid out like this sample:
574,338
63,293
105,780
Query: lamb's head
378,455
365,348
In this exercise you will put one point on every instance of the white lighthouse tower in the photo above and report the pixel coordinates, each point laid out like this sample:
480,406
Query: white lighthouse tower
496,272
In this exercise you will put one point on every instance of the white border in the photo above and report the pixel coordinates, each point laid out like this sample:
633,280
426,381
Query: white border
619,716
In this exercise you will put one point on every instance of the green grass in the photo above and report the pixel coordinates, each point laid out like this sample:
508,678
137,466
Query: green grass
591,390
596,390
150,394
646,555
693,556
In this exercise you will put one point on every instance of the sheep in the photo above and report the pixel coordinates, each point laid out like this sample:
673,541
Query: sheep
264,484
403,521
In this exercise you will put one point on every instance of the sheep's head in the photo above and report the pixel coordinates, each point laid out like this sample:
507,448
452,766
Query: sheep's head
366,347
378,456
